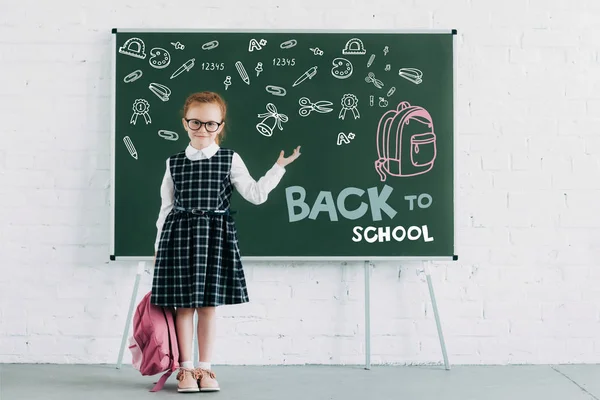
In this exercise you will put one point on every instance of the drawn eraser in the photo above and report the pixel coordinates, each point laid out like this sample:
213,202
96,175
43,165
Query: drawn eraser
454,31
112,258
455,257
114,30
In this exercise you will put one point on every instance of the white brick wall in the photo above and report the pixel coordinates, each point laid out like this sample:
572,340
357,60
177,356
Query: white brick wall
525,289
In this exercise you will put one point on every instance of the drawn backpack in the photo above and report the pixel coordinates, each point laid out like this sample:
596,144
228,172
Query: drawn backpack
153,344
406,143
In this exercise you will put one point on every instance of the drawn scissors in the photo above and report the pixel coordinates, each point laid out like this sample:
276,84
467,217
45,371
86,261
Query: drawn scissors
321,106
371,78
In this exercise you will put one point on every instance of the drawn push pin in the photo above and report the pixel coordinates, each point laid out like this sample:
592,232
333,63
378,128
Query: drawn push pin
386,50
265,129
227,81
178,45
317,51
259,68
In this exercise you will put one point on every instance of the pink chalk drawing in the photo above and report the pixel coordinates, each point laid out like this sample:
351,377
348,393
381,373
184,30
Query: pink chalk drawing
406,143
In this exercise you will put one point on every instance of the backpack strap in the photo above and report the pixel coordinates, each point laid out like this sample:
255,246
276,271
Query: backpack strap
161,382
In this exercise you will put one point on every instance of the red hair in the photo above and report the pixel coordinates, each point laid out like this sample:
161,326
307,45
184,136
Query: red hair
211,98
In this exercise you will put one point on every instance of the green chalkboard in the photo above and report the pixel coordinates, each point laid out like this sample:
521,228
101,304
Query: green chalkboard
373,112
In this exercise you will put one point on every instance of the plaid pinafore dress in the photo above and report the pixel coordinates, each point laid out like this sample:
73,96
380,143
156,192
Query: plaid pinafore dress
198,259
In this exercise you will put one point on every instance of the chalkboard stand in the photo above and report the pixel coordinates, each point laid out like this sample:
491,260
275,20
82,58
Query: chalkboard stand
138,275
367,270
438,324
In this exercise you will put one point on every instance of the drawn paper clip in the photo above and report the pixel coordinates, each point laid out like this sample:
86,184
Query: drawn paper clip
391,91
412,74
210,45
134,76
168,135
288,44
130,147
161,91
276,90
242,71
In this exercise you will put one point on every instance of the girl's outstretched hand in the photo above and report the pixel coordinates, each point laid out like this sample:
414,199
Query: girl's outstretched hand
283,161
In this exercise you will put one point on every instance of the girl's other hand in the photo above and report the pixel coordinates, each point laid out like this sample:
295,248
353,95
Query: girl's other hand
283,161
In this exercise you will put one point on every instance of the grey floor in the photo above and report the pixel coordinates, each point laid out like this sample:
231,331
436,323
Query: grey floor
95,382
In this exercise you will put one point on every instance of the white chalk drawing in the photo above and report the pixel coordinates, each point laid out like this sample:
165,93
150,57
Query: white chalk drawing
168,135
134,47
161,91
354,46
178,45
275,90
412,74
288,44
306,106
242,71
316,51
312,71
386,50
342,138
140,107
349,103
256,45
383,102
388,67
371,78
258,68
371,59
134,76
371,100
227,81
342,68
210,45
130,147
160,58
391,91
265,129
189,64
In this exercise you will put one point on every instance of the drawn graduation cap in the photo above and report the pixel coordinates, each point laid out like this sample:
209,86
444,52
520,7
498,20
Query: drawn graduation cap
354,46
133,47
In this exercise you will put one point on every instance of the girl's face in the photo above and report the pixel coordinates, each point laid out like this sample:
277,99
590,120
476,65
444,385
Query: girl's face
203,123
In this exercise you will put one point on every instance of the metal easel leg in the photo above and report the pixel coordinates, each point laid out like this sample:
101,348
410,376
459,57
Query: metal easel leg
436,314
141,268
367,315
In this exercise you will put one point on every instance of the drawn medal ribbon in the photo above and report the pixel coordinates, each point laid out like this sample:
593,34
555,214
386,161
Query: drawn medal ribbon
140,107
349,103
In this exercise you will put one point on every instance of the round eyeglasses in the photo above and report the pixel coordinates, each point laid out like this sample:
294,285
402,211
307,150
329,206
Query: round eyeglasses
196,124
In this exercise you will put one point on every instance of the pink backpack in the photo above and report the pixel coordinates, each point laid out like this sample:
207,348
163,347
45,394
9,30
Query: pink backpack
154,342
405,142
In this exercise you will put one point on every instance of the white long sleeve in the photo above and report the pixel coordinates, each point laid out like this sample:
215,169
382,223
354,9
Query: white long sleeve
251,190
255,192
167,195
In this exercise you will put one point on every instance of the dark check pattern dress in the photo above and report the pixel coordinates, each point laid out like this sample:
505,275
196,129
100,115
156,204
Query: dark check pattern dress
198,259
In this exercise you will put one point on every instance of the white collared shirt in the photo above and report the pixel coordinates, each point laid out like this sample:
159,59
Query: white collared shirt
251,190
